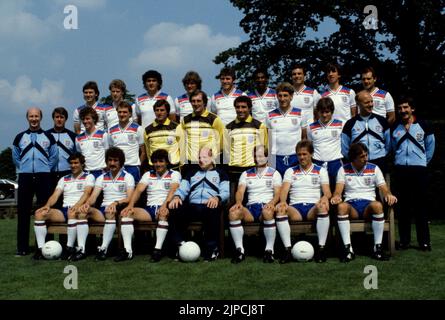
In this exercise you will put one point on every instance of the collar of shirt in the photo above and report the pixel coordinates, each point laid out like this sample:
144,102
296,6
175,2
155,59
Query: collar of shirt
249,119
165,123
205,113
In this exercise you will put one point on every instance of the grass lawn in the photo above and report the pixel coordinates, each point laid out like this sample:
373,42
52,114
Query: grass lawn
408,275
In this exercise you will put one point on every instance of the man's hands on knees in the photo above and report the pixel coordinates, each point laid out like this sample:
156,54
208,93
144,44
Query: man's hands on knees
212,203
390,199
127,212
175,203
282,208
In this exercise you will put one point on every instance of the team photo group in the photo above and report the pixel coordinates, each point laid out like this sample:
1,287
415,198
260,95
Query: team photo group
268,155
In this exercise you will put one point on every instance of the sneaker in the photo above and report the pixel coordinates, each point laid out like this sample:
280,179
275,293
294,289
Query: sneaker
378,254
402,246
20,253
287,256
348,254
268,257
156,255
101,255
177,257
38,255
320,255
239,256
213,256
67,253
425,247
124,255
78,256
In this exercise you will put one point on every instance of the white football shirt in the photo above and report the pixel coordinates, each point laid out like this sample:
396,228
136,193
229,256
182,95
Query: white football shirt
260,187
129,139
73,188
159,187
114,189
326,139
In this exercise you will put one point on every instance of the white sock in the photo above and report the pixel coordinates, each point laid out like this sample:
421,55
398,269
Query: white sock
345,229
40,231
270,233
237,232
109,228
284,229
82,234
127,230
72,232
378,224
161,233
322,228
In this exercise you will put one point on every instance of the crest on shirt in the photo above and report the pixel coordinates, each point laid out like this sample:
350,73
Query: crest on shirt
334,134
378,129
250,139
45,144
294,122
121,188
167,185
169,140
79,186
345,99
269,183
215,179
204,133
306,100
67,142
419,136
131,138
315,180
368,181
96,144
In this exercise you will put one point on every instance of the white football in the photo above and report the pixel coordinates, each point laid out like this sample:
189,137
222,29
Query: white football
302,251
189,251
52,250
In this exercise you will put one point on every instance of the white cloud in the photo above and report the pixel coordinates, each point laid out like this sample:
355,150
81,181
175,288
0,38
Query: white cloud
20,25
23,93
170,45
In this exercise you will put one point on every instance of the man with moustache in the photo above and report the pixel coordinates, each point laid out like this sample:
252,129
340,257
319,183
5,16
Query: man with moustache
34,154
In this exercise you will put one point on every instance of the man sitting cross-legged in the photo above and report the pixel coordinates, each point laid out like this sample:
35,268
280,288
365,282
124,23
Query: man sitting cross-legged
76,188
304,183
262,184
161,184
359,179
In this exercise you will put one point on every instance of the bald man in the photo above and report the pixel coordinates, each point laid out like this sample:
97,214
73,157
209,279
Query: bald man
34,154
369,128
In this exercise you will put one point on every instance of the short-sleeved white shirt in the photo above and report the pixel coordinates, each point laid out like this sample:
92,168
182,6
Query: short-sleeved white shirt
114,189
222,105
383,102
305,186
306,99
101,113
73,188
344,101
159,187
93,149
263,104
129,139
360,185
284,131
145,103
260,187
112,117
326,139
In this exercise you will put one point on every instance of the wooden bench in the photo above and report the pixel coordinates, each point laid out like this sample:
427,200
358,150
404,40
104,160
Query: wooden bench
61,228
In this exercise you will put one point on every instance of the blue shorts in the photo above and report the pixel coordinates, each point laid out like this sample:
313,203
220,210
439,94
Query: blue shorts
102,209
65,212
135,172
282,163
303,208
152,211
256,209
359,205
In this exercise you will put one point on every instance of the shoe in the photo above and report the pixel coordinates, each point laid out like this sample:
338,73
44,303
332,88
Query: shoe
156,255
268,257
320,255
21,253
177,257
239,256
425,247
378,254
348,254
213,256
402,246
67,253
38,255
77,256
124,255
101,255
287,257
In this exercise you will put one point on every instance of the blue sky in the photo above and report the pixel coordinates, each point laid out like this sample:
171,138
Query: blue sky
45,65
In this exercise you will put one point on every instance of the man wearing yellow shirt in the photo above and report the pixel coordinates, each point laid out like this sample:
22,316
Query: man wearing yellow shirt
200,128
163,133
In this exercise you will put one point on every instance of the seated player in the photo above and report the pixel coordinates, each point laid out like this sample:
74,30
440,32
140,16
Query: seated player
200,198
359,179
76,188
304,184
161,185
117,186
262,184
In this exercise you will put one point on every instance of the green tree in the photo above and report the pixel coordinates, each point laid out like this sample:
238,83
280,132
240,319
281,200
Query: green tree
7,168
407,49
